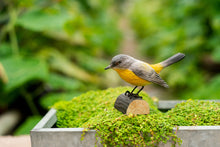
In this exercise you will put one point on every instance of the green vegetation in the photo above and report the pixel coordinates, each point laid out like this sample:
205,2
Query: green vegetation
94,110
76,112
28,124
195,113
54,47
53,50
166,27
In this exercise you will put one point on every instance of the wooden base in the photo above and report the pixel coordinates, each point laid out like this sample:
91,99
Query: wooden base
131,104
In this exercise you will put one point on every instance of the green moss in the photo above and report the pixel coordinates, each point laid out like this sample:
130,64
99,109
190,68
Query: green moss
117,129
80,109
95,110
195,113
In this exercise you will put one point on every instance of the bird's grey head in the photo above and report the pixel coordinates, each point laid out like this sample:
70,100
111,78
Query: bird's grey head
121,61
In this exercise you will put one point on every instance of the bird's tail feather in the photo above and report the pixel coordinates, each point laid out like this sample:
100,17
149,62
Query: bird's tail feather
175,58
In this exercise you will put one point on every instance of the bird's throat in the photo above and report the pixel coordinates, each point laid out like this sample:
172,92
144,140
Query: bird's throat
130,77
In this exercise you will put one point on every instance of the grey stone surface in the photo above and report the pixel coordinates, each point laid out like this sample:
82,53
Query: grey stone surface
63,137
168,104
47,121
43,135
197,136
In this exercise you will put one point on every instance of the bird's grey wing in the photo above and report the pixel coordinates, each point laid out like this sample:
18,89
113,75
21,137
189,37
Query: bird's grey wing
148,73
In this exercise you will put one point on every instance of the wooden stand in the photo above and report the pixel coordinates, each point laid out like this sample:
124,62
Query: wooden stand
131,104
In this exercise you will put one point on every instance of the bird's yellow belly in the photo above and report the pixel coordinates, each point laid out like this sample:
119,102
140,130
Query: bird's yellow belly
131,78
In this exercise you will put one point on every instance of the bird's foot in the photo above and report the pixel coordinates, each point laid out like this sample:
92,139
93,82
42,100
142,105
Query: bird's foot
128,93
132,95
136,96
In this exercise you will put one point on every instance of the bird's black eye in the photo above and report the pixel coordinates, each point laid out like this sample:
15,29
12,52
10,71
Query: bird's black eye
117,63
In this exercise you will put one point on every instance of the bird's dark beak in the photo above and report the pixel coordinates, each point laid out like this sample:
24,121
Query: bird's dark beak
108,67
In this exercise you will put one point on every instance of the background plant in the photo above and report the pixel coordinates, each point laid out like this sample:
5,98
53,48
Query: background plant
53,50
163,28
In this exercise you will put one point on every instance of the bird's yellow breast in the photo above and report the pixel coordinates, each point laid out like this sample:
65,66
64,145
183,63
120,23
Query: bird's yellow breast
131,78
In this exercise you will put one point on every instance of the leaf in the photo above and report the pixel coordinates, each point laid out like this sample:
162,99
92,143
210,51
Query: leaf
91,64
26,126
60,63
3,76
21,71
209,90
5,50
52,98
216,21
56,81
38,19
216,54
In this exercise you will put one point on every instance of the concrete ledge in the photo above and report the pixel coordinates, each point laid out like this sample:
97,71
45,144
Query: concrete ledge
169,104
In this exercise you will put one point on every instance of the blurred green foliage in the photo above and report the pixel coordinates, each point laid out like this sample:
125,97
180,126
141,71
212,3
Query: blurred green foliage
53,50
28,124
192,27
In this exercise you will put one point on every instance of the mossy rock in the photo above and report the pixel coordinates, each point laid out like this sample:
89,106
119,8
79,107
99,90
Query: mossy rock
95,110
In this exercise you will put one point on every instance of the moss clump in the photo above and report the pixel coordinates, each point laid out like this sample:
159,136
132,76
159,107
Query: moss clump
80,109
94,110
195,113
132,130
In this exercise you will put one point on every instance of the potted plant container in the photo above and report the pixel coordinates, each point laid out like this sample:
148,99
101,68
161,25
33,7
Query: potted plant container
45,135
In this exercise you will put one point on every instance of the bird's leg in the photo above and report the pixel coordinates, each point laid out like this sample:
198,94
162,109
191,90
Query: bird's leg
133,89
136,95
140,90
128,93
